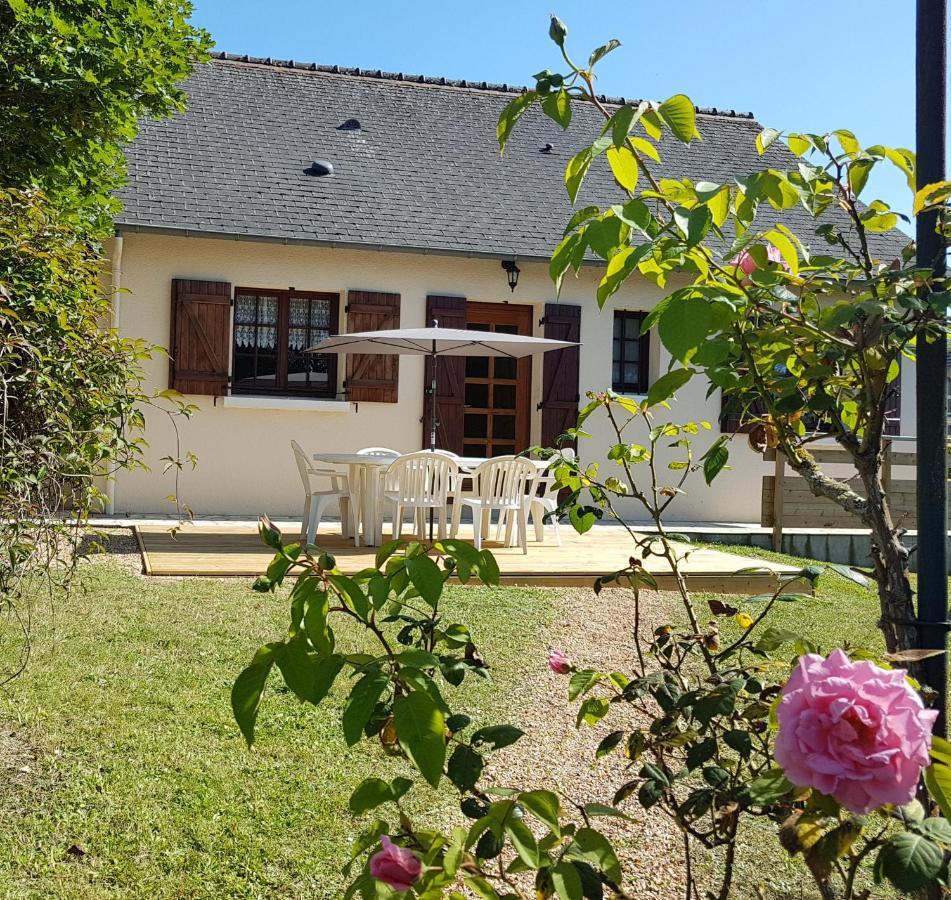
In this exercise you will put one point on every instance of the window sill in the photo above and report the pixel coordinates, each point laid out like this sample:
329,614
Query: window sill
290,404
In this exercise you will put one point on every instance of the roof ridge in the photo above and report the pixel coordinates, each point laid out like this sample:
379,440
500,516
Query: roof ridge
433,81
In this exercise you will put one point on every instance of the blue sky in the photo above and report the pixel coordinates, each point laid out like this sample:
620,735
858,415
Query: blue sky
809,65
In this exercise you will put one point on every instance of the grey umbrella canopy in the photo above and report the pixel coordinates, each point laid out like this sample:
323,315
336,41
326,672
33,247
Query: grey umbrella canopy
438,342
434,342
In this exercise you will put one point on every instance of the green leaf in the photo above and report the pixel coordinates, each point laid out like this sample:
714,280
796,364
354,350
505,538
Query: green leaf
680,115
931,195
306,673
360,704
545,805
315,622
684,324
481,888
765,139
593,847
497,736
465,767
248,688
524,842
581,682
936,829
910,861
510,116
624,167
620,124
557,106
858,175
372,792
774,637
576,170
352,594
785,247
386,551
715,459
938,782
581,519
667,385
567,882
421,730
426,578
769,787
602,51
561,258
849,573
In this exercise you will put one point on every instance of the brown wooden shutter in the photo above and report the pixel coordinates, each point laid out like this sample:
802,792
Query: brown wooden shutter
560,395
450,312
372,377
200,336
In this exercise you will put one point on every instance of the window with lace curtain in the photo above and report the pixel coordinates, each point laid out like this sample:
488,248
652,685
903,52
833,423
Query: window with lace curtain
272,329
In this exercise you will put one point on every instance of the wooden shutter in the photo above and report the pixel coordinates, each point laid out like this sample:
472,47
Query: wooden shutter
450,312
200,336
560,395
372,377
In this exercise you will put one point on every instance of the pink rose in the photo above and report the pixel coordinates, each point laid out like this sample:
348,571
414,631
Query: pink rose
559,663
853,731
395,866
747,265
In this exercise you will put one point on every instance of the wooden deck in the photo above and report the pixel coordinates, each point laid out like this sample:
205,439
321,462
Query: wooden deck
204,550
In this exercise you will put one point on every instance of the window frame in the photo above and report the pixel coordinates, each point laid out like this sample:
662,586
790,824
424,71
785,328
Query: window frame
281,387
643,361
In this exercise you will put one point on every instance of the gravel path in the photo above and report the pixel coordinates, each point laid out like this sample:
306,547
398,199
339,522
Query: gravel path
595,631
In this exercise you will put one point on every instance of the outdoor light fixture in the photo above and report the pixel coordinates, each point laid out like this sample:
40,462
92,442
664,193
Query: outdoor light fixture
511,271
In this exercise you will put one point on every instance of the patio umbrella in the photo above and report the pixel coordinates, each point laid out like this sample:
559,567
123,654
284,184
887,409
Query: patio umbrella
434,342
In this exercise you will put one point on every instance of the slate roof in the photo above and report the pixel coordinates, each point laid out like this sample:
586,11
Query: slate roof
422,172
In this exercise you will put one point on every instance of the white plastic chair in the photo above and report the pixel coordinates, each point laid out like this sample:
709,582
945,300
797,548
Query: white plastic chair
501,484
358,486
316,501
417,482
544,501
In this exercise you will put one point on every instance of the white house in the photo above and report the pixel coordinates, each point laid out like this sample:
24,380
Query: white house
292,201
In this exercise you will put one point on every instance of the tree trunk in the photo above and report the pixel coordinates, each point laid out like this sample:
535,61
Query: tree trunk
890,560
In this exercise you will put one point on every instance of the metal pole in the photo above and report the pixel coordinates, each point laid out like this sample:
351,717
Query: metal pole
931,376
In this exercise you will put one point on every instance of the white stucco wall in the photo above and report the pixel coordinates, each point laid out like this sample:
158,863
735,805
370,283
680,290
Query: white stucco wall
245,466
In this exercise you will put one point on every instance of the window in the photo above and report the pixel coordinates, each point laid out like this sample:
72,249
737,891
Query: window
631,355
272,329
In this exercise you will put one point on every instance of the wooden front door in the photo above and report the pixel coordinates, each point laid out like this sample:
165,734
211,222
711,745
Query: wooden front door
498,390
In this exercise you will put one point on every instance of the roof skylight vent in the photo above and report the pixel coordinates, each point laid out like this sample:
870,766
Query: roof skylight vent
350,125
320,168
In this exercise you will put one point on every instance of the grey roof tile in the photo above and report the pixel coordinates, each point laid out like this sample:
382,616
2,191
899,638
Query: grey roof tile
422,172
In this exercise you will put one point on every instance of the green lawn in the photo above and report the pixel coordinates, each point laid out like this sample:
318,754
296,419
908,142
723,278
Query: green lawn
143,768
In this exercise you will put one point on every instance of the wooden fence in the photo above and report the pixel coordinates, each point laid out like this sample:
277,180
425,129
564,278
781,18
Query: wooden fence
787,501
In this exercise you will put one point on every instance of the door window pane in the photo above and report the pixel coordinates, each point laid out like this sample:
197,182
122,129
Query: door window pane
476,425
477,395
505,367
477,367
504,396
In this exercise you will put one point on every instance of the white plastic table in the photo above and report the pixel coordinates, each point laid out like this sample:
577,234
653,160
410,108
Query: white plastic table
368,469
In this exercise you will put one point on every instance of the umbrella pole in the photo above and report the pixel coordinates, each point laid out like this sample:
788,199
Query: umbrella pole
432,422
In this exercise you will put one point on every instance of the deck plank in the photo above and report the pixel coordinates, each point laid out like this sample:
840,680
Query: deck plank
220,551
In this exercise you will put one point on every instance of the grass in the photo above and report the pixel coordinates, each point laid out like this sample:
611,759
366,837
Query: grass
143,786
